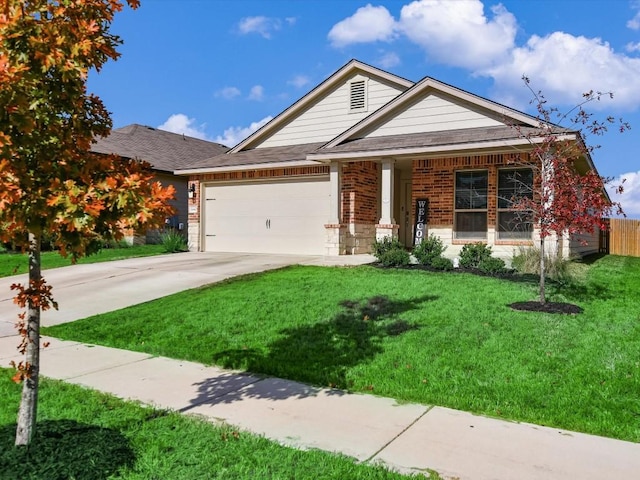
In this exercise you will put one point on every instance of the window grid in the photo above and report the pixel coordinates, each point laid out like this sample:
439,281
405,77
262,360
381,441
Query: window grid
514,185
470,209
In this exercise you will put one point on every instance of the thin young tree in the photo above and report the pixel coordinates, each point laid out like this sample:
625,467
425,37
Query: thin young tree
568,196
50,183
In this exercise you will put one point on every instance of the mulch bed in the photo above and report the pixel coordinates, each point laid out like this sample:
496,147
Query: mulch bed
548,307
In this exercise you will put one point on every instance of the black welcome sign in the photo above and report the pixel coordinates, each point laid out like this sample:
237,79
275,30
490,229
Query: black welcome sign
420,226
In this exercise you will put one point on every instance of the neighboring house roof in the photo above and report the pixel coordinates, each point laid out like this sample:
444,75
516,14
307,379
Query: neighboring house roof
165,151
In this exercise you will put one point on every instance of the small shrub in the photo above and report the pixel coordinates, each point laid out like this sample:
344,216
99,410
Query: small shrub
390,252
473,253
429,250
380,247
173,242
492,265
395,258
442,263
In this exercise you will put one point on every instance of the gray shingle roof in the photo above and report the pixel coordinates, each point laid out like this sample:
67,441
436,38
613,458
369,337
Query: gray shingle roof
429,139
257,156
290,153
165,151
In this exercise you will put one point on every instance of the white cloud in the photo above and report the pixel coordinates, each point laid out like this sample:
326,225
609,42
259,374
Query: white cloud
299,81
630,197
256,93
228,93
458,33
264,26
564,67
180,123
368,24
633,47
234,135
291,20
389,60
634,23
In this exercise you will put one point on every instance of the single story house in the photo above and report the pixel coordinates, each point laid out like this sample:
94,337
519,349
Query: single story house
368,154
166,152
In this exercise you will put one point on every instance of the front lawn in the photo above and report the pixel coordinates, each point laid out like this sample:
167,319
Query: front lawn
87,435
447,339
17,263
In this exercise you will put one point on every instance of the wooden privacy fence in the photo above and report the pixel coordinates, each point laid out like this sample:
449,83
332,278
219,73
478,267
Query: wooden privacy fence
622,237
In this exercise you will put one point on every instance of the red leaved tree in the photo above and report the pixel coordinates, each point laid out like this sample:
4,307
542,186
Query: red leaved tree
568,196
50,182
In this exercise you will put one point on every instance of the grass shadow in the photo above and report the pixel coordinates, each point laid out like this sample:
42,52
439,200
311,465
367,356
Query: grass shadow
318,354
64,449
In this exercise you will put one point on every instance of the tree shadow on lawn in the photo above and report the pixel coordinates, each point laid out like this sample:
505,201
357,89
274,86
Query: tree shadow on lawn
318,354
63,449
576,291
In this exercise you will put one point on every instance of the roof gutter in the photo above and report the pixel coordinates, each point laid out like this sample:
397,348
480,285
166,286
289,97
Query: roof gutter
248,167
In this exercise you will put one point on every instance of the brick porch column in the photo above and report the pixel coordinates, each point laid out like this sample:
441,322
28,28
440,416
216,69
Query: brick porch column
387,224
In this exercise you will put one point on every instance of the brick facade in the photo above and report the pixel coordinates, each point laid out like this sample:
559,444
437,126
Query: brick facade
434,179
360,192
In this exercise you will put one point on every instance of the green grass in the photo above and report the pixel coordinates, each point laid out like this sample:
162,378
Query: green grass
86,435
447,339
17,263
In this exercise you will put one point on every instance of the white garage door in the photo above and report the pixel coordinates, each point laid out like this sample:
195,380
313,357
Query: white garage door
277,217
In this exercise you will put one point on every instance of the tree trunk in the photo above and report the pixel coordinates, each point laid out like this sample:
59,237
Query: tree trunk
29,401
543,260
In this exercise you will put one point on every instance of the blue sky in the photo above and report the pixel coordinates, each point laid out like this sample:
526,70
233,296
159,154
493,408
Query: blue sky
219,69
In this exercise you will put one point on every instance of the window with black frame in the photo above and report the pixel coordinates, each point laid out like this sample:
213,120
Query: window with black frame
471,204
513,186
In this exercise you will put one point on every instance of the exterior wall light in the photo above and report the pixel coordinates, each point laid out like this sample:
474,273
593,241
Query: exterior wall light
192,191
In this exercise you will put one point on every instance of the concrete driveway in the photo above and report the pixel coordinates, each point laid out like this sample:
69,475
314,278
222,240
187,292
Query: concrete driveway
85,290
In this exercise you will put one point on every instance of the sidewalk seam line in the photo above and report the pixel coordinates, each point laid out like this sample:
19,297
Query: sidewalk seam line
110,368
429,408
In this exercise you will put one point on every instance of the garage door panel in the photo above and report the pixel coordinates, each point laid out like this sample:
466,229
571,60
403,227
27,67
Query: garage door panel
278,217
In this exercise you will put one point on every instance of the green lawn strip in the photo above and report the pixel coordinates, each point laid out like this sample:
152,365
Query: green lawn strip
83,434
17,263
433,338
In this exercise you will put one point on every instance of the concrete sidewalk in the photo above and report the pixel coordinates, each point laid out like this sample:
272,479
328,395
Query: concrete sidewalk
406,437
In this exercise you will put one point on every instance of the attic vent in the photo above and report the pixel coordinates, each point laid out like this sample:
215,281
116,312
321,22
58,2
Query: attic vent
357,98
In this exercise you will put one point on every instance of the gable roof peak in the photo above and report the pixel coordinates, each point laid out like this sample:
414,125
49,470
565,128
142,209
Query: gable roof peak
349,69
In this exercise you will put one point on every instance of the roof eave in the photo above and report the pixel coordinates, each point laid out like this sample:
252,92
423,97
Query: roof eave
246,167
415,90
430,151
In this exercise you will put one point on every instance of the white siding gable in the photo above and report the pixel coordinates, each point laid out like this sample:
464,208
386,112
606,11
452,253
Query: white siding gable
433,113
332,115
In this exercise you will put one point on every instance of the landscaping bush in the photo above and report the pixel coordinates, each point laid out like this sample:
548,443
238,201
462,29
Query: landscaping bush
492,265
442,263
395,258
472,254
174,242
428,250
390,252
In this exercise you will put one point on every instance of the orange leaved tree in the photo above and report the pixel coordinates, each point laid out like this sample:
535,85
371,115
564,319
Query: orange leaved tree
50,182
